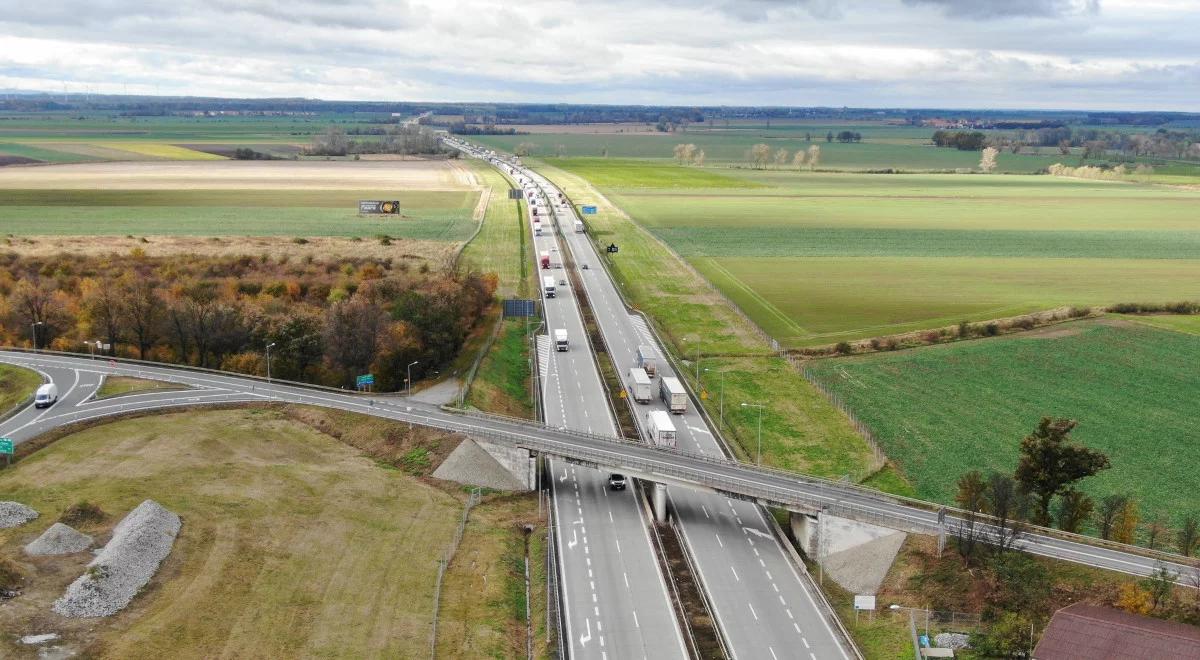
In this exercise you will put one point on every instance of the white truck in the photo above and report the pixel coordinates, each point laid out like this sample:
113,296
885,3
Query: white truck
660,429
647,359
579,226
671,391
548,287
46,396
639,385
560,340
537,227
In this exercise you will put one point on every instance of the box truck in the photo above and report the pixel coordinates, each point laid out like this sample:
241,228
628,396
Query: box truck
45,396
560,340
671,391
537,228
647,359
579,226
545,259
639,385
660,429
548,286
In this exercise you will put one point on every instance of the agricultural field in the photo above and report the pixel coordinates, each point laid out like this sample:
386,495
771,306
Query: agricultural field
226,198
940,411
817,258
250,572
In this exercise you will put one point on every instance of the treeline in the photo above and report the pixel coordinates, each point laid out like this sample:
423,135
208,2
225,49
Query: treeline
328,320
1090,142
462,128
961,140
402,139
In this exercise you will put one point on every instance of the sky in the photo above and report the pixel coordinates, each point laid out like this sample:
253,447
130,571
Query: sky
1036,54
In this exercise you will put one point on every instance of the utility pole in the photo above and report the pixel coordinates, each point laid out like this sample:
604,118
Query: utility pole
269,346
408,378
33,332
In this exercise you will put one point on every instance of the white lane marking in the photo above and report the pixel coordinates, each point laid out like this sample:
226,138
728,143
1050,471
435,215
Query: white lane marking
626,576
618,542
759,533
635,619
584,639
751,606
735,575
574,540
805,640
797,627
719,541
705,512
773,653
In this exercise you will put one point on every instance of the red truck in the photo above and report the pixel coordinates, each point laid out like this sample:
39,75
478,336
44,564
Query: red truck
545,257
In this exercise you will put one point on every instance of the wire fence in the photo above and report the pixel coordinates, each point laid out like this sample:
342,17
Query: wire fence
444,563
878,457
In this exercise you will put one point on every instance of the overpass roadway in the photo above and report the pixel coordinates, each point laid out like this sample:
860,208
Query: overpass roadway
735,480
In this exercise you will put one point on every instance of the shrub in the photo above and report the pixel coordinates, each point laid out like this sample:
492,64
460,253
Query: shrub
931,337
1024,323
11,576
843,348
876,344
964,329
890,344
82,513
300,241
991,330
1079,312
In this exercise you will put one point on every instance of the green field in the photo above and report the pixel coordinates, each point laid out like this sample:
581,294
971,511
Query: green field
16,386
941,411
816,258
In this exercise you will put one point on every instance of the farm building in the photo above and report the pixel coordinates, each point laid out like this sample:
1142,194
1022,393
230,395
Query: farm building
1088,632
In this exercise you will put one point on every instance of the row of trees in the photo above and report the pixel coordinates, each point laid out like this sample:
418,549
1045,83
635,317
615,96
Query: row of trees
329,320
688,154
406,139
1043,491
1090,143
761,155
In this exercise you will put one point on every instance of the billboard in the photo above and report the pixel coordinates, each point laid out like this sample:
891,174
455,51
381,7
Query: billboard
589,210
369,206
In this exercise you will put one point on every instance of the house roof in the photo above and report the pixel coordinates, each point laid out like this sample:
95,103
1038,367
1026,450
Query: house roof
1088,632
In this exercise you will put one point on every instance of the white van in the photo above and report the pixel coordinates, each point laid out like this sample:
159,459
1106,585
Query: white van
47,395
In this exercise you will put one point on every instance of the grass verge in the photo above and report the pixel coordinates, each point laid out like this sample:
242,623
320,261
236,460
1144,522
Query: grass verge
117,385
502,383
16,385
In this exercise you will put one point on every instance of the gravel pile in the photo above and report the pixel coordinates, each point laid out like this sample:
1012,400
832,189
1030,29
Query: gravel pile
60,539
952,640
15,513
139,544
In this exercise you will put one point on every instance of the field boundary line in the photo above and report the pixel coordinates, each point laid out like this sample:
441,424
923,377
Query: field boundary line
756,297
444,563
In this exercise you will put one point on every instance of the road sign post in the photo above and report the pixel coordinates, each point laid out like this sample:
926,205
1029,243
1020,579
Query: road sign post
6,448
364,382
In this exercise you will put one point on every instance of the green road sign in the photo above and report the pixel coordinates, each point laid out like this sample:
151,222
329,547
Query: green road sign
366,379
6,446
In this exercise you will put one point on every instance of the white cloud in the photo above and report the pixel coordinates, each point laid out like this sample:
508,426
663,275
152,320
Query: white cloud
960,53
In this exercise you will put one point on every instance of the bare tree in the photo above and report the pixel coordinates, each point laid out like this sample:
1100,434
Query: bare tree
1074,508
524,149
143,310
39,309
798,159
1189,533
1155,530
760,154
1064,147
1110,510
1008,505
987,160
102,307
699,159
781,158
814,156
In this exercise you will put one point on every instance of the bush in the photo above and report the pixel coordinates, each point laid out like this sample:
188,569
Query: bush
1079,312
964,329
300,241
11,576
82,513
876,344
1024,323
843,348
991,330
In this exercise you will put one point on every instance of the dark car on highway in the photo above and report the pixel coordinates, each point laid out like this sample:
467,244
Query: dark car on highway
616,482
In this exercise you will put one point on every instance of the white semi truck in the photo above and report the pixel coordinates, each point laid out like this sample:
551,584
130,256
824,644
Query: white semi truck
660,429
560,340
671,391
647,359
639,385
579,226
548,287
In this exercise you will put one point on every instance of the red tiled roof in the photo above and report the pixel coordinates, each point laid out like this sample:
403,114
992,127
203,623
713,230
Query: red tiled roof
1088,632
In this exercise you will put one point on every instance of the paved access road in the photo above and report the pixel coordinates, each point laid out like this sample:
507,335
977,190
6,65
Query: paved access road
614,595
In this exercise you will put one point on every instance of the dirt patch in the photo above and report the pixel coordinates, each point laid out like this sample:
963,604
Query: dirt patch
1072,329
240,175
317,247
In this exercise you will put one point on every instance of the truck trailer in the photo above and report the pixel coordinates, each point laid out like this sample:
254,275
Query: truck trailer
579,226
545,259
639,385
671,391
548,287
560,340
660,429
647,359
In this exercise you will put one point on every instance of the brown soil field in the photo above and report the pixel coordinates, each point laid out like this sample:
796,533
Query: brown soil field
435,252
240,175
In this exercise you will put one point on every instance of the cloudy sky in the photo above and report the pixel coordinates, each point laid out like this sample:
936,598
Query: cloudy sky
1098,54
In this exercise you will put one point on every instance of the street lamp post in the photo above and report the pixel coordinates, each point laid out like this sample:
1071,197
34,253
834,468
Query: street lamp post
721,395
269,347
33,332
758,455
92,347
408,378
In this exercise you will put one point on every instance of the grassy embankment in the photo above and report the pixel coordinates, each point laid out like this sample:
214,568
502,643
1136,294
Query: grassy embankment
264,496
940,411
117,385
502,383
800,430
16,385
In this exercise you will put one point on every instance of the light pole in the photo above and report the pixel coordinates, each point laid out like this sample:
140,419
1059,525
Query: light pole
721,404
33,331
408,378
269,347
92,347
758,456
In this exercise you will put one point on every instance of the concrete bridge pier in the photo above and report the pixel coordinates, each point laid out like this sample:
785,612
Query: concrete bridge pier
856,555
658,497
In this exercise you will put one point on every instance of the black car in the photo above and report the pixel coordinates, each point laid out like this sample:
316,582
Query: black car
616,481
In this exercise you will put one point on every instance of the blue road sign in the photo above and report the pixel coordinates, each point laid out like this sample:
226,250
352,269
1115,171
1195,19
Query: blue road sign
589,210
366,379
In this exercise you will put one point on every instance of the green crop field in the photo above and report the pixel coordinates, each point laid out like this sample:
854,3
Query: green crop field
816,258
941,411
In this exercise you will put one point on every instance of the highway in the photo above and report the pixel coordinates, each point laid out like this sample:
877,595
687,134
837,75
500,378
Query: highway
614,595
764,606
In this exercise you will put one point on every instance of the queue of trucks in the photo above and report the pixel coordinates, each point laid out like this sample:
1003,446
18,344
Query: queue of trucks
639,385
671,391
660,429
647,360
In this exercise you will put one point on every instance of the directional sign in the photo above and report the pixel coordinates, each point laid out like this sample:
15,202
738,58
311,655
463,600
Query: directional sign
864,602
366,379
589,210
612,248
6,446
519,307
514,193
